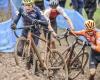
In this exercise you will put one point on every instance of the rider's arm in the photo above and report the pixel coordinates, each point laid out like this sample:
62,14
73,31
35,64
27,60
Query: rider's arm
61,11
47,14
42,20
80,33
18,15
97,45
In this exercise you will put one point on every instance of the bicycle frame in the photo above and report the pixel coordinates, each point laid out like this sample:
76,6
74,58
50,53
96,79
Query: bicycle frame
32,43
33,46
72,46
70,51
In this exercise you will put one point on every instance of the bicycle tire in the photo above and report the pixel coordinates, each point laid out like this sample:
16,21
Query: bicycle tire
29,57
16,49
52,62
80,69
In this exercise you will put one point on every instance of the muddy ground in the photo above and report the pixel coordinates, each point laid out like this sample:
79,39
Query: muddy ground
10,71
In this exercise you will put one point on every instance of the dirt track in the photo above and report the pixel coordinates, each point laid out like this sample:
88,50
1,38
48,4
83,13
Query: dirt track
9,70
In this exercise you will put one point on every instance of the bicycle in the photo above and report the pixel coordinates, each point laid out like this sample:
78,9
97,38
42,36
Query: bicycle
51,67
76,61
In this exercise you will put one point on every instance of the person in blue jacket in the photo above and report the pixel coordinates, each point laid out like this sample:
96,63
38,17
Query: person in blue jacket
30,13
77,5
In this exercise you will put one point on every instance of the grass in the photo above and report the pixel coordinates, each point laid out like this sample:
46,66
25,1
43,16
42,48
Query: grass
97,17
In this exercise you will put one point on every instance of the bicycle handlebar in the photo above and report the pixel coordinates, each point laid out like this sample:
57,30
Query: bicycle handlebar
67,33
45,23
29,27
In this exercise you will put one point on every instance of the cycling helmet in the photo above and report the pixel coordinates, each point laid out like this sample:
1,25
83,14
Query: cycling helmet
90,25
54,3
27,1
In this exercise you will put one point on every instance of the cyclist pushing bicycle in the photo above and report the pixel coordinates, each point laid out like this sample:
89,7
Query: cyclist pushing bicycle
31,15
93,37
51,14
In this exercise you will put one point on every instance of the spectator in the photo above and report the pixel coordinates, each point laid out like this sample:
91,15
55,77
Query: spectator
40,4
77,5
98,3
90,8
62,3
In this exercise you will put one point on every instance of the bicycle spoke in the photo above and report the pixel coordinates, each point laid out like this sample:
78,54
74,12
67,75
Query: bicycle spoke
77,65
56,66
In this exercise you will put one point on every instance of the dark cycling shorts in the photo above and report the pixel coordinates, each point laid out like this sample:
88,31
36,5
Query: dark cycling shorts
94,59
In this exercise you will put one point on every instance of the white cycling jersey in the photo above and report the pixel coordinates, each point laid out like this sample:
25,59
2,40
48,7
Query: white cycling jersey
51,14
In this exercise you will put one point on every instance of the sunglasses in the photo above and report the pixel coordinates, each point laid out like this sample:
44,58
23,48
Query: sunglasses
90,30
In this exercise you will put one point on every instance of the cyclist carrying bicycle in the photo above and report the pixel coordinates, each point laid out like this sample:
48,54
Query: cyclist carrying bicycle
51,14
31,15
93,36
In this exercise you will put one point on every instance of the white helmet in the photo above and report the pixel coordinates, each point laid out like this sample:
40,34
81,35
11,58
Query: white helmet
54,3
90,25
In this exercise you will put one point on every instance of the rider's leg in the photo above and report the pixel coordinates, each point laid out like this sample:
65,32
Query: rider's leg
92,64
21,43
92,73
54,26
53,45
36,40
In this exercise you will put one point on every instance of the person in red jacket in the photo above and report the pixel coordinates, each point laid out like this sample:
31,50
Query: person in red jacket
92,34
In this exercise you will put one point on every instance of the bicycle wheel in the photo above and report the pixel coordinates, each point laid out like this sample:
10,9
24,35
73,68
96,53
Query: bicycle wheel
19,46
57,68
77,65
29,56
18,49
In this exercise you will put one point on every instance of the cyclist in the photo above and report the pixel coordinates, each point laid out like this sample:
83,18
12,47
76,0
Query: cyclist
93,36
30,14
51,14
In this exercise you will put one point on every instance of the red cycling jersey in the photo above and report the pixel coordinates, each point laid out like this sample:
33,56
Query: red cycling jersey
53,14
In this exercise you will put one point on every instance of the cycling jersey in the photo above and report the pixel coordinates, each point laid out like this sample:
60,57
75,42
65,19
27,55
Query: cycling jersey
34,14
95,38
52,14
